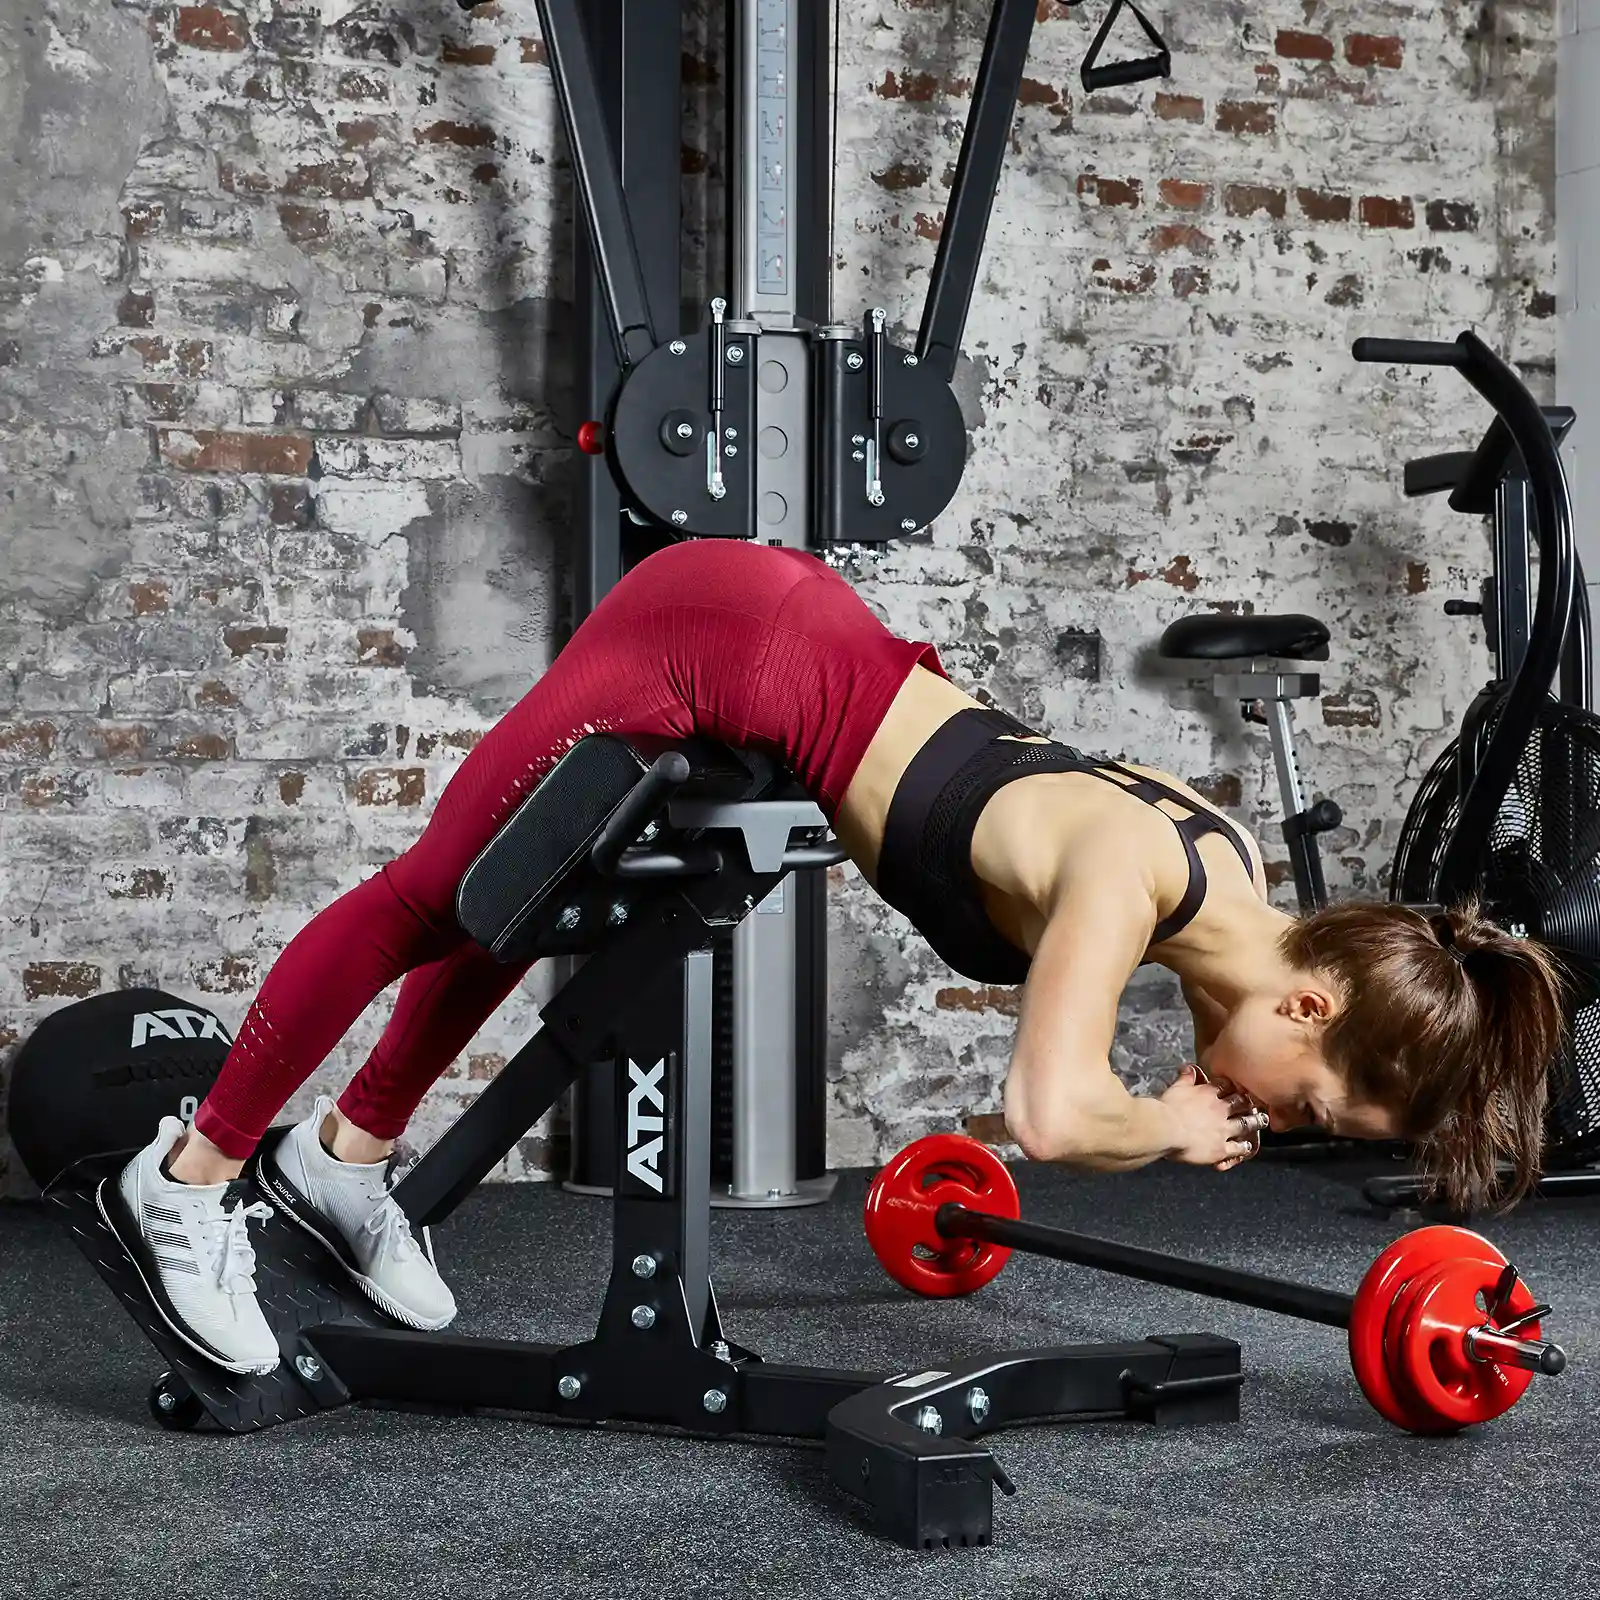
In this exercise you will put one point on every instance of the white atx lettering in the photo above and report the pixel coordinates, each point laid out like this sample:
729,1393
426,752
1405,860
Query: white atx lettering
645,1126
177,1024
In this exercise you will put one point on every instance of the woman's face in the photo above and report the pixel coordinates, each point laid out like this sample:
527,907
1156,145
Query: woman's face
1271,1051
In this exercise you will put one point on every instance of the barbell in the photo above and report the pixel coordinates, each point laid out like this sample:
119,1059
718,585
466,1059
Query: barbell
1443,1332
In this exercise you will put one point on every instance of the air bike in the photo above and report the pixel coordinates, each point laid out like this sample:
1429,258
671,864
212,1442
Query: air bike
1510,810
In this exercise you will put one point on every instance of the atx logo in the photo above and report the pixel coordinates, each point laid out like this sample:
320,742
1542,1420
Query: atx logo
647,1121
177,1023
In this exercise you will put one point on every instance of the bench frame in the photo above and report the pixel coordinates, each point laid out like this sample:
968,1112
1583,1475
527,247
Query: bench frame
905,1442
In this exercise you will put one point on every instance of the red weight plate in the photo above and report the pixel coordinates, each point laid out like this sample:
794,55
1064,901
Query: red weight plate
1404,1260
905,1198
1426,1345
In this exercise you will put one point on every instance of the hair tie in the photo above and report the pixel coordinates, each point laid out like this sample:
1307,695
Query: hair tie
1445,933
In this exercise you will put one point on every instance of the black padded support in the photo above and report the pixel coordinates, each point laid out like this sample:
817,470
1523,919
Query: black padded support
1292,637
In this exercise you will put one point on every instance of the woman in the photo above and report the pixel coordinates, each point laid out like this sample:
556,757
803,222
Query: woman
1020,860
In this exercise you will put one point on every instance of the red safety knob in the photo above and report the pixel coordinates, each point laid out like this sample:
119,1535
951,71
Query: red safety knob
592,438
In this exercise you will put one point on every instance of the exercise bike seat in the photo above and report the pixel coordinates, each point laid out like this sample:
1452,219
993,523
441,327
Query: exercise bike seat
1230,638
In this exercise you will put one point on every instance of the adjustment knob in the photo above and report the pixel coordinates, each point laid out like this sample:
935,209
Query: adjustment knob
592,438
1462,608
1325,814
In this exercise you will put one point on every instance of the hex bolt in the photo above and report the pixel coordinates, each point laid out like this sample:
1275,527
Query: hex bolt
977,1403
677,347
909,361
308,1367
721,1351
685,430
569,1388
731,433
650,832
858,455
858,438
679,518
715,1401
730,449
929,1420
907,525
855,361
912,441
644,1316
644,1266
569,918
735,354
167,1400
618,914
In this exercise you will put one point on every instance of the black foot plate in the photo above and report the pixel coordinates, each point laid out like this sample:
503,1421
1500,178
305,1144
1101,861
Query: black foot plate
298,1285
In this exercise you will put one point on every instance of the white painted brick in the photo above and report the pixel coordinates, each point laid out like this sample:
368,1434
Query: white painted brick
378,460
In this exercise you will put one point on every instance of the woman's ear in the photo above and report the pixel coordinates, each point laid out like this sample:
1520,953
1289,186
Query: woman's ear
1309,1003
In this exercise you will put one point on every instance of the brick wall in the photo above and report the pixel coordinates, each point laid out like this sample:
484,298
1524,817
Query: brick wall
286,416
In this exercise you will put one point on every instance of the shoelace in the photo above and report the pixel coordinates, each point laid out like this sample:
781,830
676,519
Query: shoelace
392,1228
237,1263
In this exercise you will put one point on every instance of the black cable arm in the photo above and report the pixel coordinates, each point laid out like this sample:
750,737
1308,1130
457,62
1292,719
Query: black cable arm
597,178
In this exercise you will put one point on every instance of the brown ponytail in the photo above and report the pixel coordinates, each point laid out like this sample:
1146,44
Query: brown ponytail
1451,1024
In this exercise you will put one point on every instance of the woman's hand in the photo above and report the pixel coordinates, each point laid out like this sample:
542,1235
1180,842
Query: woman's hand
1216,1126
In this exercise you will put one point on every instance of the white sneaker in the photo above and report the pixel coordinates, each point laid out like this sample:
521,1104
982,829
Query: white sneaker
193,1255
347,1207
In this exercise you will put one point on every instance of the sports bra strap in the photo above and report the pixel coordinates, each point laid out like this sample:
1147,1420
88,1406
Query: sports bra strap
1190,829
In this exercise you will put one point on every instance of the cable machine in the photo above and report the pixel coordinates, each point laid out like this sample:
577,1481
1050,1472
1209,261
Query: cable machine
770,420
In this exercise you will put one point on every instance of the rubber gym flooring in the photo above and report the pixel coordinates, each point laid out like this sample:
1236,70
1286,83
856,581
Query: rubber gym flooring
1311,1494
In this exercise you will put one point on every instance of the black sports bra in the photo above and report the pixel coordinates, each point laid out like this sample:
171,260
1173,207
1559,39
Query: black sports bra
925,867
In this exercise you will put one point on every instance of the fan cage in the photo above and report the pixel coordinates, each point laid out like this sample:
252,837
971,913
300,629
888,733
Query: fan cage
1540,879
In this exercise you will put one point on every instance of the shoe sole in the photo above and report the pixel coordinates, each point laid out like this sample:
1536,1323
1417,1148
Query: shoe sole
309,1220
137,1252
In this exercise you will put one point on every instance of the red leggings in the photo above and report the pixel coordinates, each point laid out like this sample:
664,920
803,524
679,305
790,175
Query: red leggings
744,643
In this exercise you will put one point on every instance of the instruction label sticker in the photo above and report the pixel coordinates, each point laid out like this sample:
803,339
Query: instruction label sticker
775,904
920,1379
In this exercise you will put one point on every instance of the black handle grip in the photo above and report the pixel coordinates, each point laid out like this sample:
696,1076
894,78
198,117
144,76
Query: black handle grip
1435,474
1119,72
667,774
1409,352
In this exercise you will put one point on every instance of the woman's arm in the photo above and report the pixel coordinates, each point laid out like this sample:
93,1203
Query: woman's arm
1062,1100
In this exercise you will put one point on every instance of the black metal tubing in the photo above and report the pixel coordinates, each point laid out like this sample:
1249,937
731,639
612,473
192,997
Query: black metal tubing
597,180
1130,1261
1512,616
1305,857
666,775
1577,674
635,52
1390,1194
983,153
578,1027
931,1487
1500,385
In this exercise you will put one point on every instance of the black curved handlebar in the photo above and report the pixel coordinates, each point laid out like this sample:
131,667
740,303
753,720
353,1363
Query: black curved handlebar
668,773
1516,407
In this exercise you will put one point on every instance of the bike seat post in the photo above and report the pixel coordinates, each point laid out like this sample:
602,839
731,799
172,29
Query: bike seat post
1273,691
